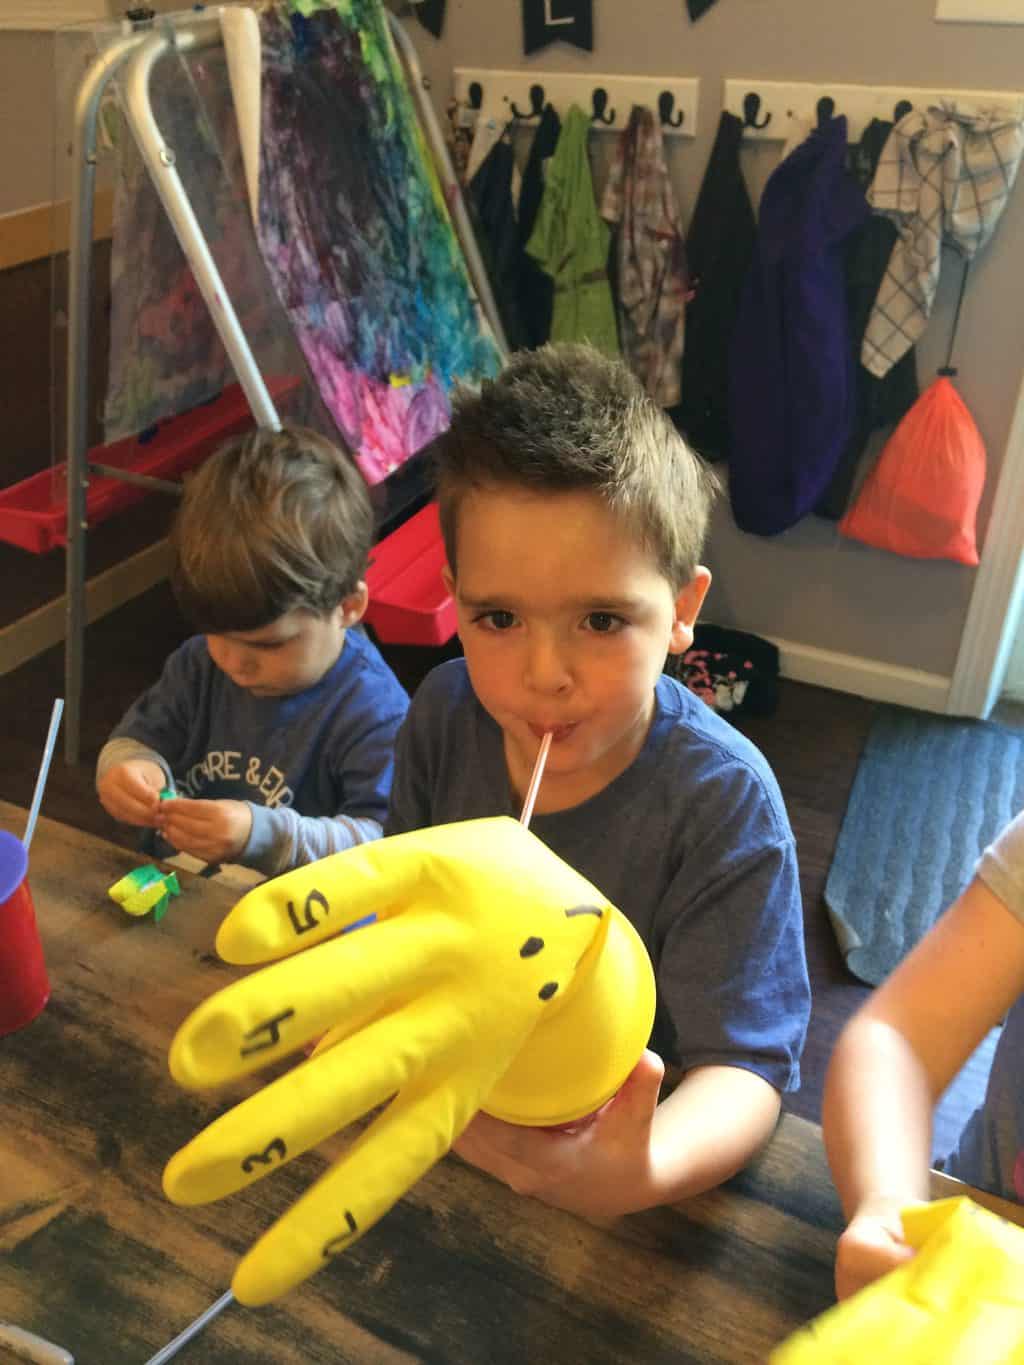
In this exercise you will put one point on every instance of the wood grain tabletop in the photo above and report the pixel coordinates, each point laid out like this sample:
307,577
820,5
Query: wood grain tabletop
94,1258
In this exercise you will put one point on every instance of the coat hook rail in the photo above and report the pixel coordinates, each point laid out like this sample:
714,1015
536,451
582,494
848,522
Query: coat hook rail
768,108
607,99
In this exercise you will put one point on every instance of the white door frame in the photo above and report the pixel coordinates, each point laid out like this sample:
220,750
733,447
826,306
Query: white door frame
987,637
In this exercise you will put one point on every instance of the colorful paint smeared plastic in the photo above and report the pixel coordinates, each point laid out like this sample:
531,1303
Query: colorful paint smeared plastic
355,233
361,257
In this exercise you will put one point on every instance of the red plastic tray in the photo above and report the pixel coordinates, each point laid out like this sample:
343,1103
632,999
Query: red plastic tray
33,512
409,603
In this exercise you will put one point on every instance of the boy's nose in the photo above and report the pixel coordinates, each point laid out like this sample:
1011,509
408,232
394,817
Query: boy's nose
546,667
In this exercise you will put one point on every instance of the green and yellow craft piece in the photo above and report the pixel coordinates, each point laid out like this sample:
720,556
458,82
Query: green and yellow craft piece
144,889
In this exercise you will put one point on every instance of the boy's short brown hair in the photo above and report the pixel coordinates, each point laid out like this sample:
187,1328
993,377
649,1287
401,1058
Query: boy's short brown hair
271,522
566,418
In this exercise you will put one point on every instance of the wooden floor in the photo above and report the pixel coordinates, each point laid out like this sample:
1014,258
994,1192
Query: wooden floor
813,742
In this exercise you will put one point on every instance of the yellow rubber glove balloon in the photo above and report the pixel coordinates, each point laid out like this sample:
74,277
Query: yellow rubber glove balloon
494,977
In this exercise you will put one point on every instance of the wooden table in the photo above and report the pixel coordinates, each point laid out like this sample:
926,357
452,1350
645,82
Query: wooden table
93,1257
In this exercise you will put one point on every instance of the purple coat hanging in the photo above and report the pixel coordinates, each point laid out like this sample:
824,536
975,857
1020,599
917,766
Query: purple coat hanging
791,383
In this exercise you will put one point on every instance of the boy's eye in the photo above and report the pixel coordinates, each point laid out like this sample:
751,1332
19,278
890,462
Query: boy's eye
604,622
497,620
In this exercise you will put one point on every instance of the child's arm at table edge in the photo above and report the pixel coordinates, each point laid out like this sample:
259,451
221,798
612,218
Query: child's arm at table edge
709,1127
894,1059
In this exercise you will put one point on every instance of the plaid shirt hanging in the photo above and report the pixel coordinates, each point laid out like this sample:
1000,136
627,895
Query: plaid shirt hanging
944,176
639,200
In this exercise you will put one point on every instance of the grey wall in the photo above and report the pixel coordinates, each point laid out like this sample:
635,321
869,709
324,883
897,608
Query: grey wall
809,585
39,72
26,120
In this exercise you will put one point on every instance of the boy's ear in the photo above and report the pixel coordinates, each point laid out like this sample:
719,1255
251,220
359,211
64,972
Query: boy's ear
448,579
687,609
353,605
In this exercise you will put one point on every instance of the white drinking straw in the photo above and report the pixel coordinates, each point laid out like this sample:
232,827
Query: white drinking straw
534,787
193,1329
44,769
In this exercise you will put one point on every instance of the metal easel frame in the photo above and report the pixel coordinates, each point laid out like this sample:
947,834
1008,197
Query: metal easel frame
139,52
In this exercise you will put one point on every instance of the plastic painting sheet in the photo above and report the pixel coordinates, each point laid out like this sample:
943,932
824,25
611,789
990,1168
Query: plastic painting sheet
355,233
165,354
357,260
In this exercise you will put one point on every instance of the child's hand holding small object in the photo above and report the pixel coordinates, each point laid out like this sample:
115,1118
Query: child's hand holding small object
494,977
216,831
130,791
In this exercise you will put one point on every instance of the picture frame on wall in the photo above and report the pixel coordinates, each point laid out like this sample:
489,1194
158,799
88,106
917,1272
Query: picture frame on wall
980,11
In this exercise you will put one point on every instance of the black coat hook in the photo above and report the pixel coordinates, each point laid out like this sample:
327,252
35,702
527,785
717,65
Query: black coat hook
476,94
599,100
825,109
536,104
665,102
751,108
903,108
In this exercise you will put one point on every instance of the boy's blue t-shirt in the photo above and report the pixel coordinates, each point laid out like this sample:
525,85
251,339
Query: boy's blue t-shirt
691,842
306,763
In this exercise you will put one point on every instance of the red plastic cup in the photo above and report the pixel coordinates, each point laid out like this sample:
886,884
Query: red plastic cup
24,985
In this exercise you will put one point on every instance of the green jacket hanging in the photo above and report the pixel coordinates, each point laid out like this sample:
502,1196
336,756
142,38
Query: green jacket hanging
570,243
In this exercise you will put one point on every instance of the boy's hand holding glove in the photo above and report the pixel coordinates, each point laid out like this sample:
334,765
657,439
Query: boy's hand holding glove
495,977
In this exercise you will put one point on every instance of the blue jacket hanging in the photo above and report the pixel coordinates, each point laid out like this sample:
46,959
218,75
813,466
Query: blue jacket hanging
877,402
791,382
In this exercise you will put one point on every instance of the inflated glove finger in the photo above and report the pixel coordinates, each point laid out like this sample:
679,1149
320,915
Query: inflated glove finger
459,868
326,1220
309,1103
494,977
269,1014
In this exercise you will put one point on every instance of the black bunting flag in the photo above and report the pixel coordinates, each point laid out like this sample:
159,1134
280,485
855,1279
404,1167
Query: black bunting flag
430,13
558,21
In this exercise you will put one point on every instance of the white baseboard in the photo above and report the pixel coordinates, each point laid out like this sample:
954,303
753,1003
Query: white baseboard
45,627
863,677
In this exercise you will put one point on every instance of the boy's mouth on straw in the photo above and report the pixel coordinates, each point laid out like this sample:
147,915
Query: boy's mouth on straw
557,732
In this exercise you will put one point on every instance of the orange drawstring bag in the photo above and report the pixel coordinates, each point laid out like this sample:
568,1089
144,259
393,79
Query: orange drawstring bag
921,499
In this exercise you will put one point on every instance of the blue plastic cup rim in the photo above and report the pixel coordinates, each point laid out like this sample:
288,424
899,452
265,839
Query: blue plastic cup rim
13,864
